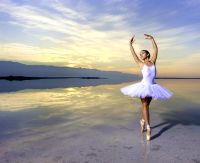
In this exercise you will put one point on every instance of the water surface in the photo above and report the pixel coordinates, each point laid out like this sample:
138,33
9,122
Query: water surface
36,120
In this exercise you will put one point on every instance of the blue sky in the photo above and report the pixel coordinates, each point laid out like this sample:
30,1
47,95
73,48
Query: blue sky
95,33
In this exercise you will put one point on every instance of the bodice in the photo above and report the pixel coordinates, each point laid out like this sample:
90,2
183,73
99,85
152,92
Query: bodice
149,74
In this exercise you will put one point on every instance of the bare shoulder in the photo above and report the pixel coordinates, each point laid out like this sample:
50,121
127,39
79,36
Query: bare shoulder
141,64
152,62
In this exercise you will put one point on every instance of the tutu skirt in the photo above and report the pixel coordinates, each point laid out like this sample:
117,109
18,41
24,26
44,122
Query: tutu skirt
142,90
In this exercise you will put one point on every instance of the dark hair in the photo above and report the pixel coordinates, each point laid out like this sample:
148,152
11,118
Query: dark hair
147,52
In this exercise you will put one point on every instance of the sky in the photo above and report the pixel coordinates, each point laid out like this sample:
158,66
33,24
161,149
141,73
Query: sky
95,34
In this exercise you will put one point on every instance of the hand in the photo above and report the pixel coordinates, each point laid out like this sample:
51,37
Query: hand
132,40
148,37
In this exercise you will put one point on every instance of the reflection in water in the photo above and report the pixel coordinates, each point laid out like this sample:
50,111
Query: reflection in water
31,116
100,101
146,149
41,110
76,98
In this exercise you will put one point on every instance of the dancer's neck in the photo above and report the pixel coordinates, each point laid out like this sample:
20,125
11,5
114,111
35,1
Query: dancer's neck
146,61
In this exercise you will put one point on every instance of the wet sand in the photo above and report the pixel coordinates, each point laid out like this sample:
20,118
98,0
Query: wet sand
108,144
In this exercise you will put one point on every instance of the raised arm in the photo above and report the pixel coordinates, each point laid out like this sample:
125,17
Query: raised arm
137,60
155,48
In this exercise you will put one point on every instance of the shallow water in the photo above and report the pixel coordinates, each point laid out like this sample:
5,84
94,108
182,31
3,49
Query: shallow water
31,117
36,109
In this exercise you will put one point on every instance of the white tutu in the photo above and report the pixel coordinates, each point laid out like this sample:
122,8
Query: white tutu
139,89
147,87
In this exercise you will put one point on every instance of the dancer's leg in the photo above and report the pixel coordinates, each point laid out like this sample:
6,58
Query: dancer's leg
144,109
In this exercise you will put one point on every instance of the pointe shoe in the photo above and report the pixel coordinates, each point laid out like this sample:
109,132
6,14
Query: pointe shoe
142,125
148,135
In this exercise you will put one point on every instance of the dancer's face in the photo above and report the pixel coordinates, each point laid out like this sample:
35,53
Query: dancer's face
143,55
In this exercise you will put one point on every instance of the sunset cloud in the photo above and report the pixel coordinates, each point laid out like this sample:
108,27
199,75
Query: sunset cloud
96,34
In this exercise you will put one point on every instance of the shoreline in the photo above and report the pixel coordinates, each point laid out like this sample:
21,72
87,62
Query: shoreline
19,78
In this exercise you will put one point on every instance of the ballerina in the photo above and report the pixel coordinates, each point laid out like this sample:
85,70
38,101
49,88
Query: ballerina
147,89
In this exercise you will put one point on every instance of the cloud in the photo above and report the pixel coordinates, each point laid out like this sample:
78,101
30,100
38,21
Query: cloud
86,34
84,39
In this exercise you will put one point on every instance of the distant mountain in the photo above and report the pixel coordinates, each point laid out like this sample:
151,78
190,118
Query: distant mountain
10,68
